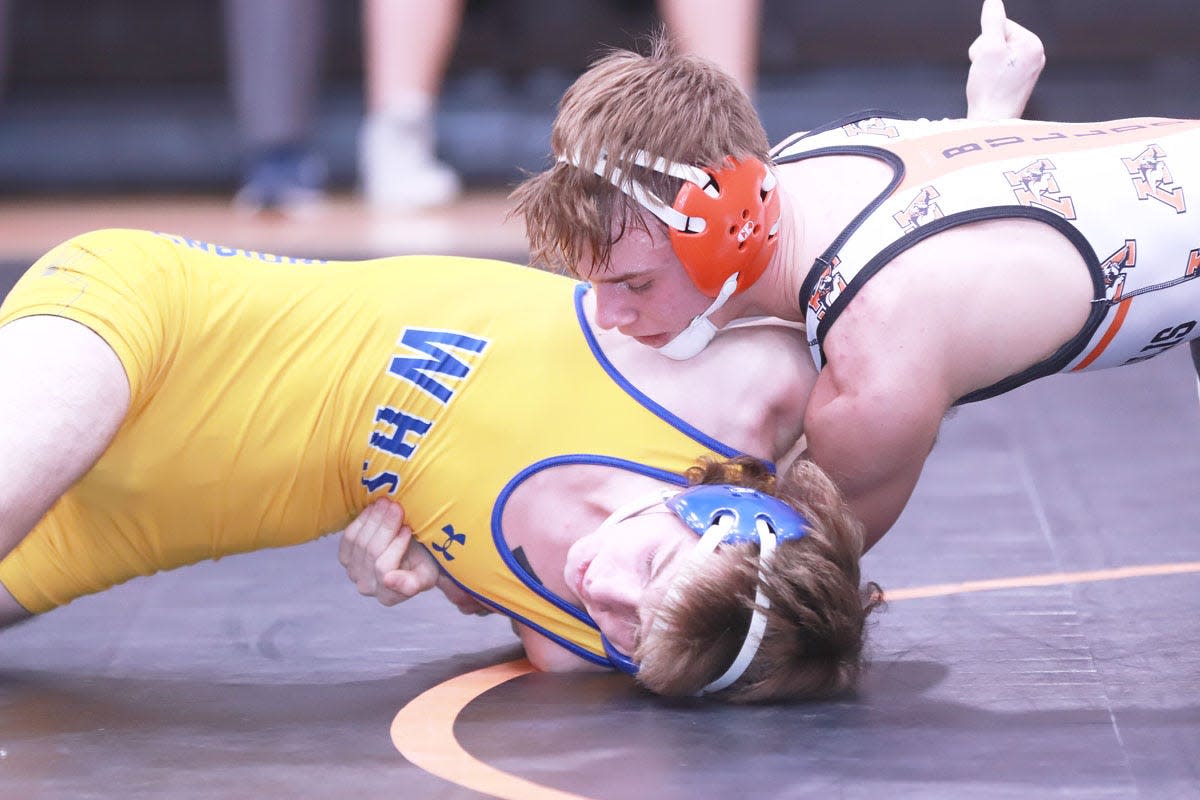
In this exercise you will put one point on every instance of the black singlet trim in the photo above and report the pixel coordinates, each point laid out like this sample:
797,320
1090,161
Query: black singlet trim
823,261
842,121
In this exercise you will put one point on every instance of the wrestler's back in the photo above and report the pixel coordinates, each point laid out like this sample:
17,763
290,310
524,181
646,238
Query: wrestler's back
1036,201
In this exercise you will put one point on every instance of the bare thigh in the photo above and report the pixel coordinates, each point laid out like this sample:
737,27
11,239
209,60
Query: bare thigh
63,395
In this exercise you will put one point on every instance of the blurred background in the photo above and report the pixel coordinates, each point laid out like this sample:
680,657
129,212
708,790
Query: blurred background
124,111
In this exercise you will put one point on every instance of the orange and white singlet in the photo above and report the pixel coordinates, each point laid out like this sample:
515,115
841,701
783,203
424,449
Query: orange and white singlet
1117,190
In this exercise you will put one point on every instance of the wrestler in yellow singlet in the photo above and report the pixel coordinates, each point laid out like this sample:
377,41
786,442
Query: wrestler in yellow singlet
273,398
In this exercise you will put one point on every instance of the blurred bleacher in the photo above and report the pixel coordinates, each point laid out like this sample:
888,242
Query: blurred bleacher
130,95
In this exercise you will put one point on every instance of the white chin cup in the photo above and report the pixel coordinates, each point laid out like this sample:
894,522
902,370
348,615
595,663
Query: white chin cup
690,341
696,336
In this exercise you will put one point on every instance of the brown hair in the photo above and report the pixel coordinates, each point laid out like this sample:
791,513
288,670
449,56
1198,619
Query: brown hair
816,623
678,107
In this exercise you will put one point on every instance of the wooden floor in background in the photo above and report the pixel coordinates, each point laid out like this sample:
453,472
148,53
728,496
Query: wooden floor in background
340,227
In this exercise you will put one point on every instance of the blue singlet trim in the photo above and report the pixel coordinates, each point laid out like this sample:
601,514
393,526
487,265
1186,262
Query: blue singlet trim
528,580
621,381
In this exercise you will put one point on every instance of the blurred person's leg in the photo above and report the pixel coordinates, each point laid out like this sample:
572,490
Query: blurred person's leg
5,36
275,50
723,31
407,44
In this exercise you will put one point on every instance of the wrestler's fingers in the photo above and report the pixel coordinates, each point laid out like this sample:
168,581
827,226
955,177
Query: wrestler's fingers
376,523
392,557
421,576
387,518
390,597
399,586
358,531
381,520
992,18
346,542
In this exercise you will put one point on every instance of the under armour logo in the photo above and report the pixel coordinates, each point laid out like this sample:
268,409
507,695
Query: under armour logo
452,539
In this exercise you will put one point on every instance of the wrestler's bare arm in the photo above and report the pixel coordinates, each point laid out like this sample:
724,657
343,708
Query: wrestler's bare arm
1006,60
872,435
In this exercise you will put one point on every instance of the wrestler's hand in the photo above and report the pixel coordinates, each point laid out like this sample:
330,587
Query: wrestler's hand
1006,61
381,558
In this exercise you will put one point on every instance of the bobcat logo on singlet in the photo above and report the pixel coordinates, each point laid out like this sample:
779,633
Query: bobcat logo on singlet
1036,187
1113,268
920,211
1152,178
875,126
829,287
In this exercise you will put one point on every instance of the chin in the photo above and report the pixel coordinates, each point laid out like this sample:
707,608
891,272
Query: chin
655,341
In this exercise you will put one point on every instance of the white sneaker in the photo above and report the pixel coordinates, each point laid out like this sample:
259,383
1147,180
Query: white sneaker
397,168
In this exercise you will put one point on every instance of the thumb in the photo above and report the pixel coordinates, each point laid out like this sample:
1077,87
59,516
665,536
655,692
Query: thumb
403,581
992,18
412,581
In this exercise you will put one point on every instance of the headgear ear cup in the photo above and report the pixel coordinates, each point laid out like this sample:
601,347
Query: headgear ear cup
723,225
740,208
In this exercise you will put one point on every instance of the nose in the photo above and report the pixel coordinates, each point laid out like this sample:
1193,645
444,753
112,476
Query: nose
612,594
611,311
613,604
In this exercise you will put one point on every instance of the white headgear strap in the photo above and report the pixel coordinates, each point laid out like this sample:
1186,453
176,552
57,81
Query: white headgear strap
643,196
700,331
758,620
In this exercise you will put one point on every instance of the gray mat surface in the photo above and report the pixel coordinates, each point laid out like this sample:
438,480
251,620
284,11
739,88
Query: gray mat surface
266,675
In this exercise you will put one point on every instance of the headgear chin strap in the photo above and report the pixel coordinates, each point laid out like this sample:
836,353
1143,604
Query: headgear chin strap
700,331
723,226
722,514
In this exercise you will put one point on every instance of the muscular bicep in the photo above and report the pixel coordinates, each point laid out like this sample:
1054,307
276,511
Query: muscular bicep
873,441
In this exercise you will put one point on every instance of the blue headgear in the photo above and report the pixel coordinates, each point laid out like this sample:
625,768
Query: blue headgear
724,514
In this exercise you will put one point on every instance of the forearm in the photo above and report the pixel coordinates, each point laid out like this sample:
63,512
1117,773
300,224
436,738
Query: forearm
873,451
876,502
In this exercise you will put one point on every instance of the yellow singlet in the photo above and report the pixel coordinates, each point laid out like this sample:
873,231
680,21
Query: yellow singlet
274,398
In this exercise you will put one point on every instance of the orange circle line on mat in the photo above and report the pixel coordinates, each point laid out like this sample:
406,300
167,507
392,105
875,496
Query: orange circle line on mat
423,731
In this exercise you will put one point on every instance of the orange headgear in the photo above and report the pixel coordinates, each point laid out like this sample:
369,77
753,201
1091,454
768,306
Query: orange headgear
723,223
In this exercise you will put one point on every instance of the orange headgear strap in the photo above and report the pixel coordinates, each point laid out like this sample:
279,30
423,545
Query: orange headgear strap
724,222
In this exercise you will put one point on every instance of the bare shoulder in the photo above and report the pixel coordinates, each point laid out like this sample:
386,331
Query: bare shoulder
547,656
772,349
775,375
